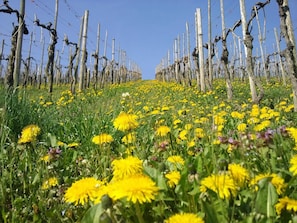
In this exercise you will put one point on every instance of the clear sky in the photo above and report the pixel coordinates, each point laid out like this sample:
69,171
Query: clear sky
145,29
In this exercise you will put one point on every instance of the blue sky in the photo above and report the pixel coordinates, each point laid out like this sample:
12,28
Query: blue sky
145,29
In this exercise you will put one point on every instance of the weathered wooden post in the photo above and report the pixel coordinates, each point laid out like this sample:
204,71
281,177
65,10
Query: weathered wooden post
96,56
200,49
261,40
290,51
188,71
248,43
1,57
18,55
210,69
283,73
225,54
82,72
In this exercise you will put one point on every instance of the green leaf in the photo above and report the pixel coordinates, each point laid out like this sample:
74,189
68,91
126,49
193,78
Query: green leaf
93,214
157,177
53,140
194,191
210,213
266,198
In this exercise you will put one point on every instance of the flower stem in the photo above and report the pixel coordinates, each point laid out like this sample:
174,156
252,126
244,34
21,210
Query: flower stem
138,213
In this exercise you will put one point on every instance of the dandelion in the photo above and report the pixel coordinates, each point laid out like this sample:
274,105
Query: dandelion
173,178
178,160
184,218
123,168
241,127
73,145
162,130
83,190
293,133
286,204
51,182
199,133
46,158
137,188
276,181
102,139
222,184
236,114
29,134
129,138
177,121
255,111
293,167
183,135
219,120
125,122
239,174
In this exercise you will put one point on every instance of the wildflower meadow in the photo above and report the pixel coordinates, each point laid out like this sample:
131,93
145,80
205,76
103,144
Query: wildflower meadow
148,151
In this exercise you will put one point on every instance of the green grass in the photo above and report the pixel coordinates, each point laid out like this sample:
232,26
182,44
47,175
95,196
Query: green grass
65,118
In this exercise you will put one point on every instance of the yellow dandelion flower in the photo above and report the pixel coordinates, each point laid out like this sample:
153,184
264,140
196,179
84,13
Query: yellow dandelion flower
241,127
289,108
51,182
46,158
73,145
199,133
129,138
293,133
102,139
255,111
125,122
286,204
293,167
253,120
83,190
137,188
162,130
129,166
176,160
60,143
183,134
183,111
219,120
29,134
177,121
222,184
173,178
188,126
239,174
236,114
191,144
184,218
276,181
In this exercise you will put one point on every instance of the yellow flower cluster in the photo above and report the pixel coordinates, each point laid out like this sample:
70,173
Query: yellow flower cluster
184,218
128,182
102,139
29,134
126,122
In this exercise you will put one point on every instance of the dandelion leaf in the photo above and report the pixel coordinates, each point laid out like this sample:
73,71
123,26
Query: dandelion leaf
93,214
266,198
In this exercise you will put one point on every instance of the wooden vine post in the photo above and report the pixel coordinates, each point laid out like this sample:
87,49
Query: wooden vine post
49,70
225,54
96,56
210,46
200,49
248,43
290,51
82,72
15,57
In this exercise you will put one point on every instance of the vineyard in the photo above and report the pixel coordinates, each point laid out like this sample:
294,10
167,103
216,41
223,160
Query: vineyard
213,138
